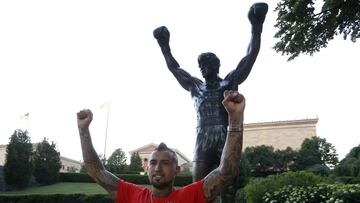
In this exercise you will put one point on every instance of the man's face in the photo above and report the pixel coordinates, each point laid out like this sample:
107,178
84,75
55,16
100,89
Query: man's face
208,68
162,169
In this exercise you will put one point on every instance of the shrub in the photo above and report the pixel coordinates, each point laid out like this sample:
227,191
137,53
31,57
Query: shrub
257,188
319,169
332,179
240,196
318,193
58,198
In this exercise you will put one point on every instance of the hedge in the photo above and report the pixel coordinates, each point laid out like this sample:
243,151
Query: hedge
58,198
344,179
257,188
180,180
313,194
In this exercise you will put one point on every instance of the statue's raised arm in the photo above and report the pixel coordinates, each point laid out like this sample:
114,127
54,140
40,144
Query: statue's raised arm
256,17
162,35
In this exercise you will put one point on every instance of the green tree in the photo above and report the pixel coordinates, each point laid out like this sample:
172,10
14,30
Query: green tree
261,160
83,169
350,165
316,151
284,159
304,30
135,162
18,165
117,162
244,172
46,163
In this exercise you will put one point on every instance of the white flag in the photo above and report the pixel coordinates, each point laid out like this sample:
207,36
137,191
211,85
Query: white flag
25,116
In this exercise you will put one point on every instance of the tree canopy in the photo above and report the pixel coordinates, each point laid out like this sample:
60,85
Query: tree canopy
135,162
261,159
18,165
46,162
264,160
350,165
304,30
316,151
116,162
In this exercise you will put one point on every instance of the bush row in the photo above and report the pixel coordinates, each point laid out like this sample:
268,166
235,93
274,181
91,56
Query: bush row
180,180
344,179
258,187
58,198
319,193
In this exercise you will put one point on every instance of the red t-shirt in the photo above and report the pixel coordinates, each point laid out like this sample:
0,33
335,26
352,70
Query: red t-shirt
131,193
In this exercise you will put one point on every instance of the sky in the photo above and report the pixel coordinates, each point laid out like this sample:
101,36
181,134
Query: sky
58,57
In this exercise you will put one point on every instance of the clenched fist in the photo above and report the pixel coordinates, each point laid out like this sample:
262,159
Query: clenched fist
162,35
234,104
257,13
84,118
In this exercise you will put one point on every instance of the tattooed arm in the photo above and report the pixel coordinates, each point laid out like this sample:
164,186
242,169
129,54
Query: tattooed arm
92,162
228,169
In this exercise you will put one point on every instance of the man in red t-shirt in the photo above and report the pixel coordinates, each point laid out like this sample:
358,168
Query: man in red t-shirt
163,165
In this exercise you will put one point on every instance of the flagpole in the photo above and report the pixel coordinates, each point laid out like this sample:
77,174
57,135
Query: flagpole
27,123
106,129
26,117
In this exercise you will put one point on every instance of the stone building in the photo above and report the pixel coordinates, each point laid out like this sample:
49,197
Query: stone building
69,165
145,151
279,134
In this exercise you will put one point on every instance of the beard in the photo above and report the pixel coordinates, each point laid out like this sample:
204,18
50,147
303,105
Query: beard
161,184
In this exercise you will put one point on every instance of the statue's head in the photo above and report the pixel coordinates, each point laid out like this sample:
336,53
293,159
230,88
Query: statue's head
209,64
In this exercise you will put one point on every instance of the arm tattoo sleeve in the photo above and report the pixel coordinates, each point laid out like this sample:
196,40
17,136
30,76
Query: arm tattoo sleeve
94,166
228,169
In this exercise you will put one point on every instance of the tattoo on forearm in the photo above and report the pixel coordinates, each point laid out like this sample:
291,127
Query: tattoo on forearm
217,180
94,166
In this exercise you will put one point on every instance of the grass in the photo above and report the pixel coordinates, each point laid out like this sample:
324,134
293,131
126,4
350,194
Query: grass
60,188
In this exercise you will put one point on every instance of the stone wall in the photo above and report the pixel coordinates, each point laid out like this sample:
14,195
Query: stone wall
279,134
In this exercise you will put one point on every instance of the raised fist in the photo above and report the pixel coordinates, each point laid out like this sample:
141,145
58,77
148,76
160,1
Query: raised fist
234,104
257,13
84,118
162,35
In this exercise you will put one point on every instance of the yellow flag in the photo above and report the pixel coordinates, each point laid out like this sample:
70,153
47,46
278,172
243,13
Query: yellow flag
104,105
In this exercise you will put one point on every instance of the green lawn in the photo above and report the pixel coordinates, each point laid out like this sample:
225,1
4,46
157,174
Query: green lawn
61,188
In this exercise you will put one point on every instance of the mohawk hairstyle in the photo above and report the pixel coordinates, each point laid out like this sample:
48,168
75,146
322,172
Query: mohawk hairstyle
162,147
